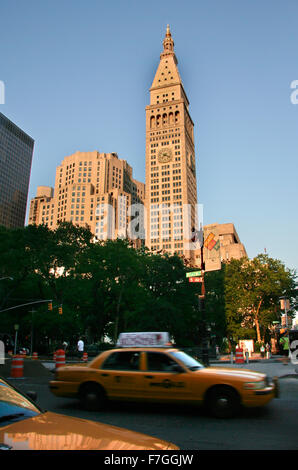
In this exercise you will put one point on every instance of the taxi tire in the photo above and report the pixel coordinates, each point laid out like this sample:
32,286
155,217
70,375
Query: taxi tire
92,397
223,402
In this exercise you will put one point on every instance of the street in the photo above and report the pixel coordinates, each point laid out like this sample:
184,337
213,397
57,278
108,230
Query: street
271,428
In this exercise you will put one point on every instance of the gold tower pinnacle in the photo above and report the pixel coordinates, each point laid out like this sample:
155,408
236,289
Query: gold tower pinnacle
168,44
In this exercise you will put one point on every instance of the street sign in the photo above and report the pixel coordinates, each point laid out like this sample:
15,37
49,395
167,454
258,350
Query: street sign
195,279
194,274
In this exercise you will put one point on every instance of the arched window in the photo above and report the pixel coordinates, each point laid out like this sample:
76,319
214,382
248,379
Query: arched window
152,122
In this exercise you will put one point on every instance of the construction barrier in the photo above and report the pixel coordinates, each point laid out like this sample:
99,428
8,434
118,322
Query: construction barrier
239,356
60,358
35,355
17,366
85,357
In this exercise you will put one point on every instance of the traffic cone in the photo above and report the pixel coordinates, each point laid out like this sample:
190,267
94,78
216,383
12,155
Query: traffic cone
17,366
60,358
85,357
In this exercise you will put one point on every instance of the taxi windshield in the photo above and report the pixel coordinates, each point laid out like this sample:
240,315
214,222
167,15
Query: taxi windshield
187,360
14,406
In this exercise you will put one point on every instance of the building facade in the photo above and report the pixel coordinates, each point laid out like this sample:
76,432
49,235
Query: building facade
171,190
16,150
91,189
221,244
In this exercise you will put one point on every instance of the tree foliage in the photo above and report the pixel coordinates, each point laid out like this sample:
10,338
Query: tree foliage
252,292
104,287
109,287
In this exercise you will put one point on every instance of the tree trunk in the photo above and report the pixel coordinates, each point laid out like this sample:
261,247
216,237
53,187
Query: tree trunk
258,329
257,321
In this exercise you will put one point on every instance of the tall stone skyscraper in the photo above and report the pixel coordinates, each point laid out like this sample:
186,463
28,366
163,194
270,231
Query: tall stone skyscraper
171,190
16,150
91,188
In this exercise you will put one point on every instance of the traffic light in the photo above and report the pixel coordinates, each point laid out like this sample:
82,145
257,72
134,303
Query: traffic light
50,306
60,310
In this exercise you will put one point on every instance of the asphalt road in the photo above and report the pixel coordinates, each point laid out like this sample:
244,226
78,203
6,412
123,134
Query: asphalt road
271,428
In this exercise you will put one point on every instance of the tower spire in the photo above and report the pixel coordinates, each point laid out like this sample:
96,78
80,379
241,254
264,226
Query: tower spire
168,44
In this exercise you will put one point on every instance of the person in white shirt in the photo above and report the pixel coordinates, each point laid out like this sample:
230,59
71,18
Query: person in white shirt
80,347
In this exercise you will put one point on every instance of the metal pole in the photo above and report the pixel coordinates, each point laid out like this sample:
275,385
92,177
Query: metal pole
205,352
32,330
15,342
286,312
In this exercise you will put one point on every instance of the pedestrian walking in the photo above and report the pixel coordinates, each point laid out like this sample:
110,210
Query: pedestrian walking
284,343
80,348
268,350
262,349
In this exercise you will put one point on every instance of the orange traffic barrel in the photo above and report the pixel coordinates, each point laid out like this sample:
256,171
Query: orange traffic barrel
60,358
85,357
239,356
17,366
35,355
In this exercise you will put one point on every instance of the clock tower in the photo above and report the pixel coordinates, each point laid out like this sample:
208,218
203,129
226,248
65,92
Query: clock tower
171,191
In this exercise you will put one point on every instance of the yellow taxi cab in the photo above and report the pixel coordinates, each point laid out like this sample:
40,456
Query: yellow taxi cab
24,426
144,367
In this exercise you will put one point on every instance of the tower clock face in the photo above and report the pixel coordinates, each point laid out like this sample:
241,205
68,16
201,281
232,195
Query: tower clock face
165,155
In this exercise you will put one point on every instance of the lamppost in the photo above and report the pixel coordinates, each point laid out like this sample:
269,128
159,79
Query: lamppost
32,331
16,327
199,236
205,349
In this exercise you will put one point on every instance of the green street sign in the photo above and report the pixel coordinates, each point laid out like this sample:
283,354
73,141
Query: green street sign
194,274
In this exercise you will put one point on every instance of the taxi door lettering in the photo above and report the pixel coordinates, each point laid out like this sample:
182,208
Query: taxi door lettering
167,383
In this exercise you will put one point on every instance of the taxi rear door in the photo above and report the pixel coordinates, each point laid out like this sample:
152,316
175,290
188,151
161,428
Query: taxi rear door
120,374
164,380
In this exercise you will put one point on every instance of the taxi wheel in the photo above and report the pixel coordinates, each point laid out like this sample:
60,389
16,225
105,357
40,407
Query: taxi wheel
223,402
92,397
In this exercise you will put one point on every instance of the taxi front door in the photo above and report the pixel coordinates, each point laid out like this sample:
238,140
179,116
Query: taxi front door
161,381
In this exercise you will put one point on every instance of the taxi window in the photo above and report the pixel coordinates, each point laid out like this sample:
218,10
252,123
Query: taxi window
159,362
122,360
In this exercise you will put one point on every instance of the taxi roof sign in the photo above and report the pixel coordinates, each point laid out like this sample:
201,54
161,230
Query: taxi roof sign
144,339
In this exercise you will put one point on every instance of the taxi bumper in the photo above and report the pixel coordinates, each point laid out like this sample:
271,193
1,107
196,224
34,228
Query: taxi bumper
256,398
64,389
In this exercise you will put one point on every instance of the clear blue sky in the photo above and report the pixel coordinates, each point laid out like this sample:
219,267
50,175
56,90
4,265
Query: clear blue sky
77,76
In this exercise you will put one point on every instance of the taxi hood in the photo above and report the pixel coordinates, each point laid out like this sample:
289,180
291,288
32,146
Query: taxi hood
234,373
51,431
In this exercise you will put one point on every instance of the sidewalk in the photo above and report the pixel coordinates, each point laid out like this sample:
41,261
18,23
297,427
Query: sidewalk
272,367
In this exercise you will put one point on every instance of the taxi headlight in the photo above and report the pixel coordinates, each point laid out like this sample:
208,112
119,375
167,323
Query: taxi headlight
255,385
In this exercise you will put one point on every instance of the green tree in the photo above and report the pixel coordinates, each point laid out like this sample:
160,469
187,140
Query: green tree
252,291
